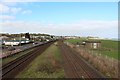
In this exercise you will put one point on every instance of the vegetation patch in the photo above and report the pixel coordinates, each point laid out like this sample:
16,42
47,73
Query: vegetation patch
47,65
15,56
74,41
108,47
108,66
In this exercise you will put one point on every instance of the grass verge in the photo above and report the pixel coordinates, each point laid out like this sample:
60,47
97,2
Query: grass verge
47,65
11,58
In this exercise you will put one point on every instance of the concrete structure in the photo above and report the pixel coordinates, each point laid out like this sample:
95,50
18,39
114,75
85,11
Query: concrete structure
93,44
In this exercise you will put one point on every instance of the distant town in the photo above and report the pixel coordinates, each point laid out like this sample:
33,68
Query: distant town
13,43
24,38
28,37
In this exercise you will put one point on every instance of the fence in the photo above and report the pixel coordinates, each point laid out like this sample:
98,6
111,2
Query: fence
108,66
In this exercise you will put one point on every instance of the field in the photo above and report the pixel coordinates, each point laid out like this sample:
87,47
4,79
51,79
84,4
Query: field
47,65
74,41
108,47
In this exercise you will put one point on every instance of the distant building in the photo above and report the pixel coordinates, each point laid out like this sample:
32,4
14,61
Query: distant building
16,42
93,44
90,37
71,37
11,43
3,37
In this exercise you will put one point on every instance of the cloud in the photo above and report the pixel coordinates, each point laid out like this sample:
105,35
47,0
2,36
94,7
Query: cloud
82,28
6,17
15,10
60,0
7,8
4,8
21,0
26,12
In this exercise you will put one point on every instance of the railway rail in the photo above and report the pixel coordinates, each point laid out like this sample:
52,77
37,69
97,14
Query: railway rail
75,66
11,69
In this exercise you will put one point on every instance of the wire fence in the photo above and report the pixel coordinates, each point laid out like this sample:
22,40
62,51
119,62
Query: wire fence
108,66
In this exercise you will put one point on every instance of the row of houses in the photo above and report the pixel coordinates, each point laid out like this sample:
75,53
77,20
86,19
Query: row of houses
16,42
23,40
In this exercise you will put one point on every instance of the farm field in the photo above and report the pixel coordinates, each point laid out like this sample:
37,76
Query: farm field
74,41
108,47
47,65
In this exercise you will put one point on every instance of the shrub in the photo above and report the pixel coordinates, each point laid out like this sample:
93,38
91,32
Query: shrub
108,66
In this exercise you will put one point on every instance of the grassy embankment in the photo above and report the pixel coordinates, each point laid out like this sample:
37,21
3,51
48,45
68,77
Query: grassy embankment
47,65
11,58
108,47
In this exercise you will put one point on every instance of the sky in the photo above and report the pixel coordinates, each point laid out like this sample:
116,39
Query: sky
60,18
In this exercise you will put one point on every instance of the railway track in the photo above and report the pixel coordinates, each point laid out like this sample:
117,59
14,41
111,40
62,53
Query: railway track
75,66
11,69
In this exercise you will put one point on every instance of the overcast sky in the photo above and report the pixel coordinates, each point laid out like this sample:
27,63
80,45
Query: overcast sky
60,18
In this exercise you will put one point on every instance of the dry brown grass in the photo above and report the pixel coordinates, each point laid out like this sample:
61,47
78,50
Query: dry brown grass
106,65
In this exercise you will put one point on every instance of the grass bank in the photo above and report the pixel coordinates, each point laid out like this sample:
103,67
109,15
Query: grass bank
11,58
47,65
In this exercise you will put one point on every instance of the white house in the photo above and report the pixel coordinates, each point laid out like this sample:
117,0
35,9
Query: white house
12,43
15,42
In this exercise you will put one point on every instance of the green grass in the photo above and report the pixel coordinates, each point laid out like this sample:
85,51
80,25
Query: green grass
108,47
110,44
47,65
111,54
111,48
74,41
11,58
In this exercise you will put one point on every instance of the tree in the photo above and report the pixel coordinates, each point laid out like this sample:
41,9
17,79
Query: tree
27,35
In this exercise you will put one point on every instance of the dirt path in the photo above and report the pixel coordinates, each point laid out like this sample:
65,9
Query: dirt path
75,66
